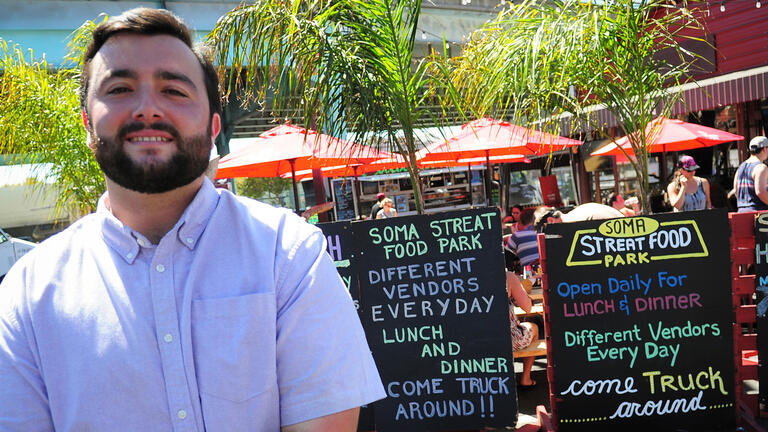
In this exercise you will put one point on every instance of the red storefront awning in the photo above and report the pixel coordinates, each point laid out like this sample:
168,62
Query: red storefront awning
707,94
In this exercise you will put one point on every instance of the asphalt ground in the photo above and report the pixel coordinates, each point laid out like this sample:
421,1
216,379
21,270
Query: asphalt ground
529,399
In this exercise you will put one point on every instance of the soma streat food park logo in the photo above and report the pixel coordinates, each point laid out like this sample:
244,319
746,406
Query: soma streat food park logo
638,240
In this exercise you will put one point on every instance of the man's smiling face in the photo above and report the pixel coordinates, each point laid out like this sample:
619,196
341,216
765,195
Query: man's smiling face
148,113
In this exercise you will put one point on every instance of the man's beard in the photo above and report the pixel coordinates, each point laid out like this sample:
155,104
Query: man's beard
188,163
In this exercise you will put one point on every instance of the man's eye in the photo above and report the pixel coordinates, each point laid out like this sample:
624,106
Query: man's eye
118,90
175,92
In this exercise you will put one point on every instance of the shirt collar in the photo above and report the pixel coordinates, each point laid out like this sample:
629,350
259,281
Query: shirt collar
190,226
195,218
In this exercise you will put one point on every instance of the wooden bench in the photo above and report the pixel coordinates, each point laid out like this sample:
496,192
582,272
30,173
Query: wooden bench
537,348
537,309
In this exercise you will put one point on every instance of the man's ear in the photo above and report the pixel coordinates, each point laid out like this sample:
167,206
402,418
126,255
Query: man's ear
215,127
88,141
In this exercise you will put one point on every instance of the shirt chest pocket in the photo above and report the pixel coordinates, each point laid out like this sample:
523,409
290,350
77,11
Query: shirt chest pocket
233,342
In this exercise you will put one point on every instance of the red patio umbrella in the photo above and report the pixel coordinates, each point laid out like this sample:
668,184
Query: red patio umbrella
392,161
474,161
666,135
398,161
287,148
487,137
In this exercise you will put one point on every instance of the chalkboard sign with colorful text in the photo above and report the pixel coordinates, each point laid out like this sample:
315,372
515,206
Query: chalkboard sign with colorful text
436,316
641,323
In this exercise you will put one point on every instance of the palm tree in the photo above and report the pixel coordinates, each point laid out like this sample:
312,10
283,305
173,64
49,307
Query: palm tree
40,123
540,60
347,65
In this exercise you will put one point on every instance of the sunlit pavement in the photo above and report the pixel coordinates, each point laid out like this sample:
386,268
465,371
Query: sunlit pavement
529,399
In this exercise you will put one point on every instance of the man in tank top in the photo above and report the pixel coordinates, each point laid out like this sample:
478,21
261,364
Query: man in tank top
751,180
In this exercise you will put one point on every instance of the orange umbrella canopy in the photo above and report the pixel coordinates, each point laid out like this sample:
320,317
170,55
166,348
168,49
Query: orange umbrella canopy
392,161
396,161
668,135
277,149
474,161
488,137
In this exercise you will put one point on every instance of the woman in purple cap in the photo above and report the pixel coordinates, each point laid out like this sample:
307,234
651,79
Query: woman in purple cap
686,191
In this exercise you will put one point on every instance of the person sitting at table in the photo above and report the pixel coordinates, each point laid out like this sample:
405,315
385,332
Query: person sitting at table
523,241
616,201
523,333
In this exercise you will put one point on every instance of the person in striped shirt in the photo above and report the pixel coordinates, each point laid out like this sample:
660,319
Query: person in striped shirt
523,241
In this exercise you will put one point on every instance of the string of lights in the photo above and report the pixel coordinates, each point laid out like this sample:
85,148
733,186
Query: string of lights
425,33
723,3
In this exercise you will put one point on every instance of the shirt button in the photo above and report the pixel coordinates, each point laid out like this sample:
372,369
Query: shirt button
129,255
168,338
181,414
190,240
160,268
142,242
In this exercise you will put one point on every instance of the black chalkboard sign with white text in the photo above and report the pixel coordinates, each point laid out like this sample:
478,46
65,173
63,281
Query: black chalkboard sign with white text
641,321
436,316
338,236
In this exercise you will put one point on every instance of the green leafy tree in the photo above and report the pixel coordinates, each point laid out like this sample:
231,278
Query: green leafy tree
40,122
345,65
540,60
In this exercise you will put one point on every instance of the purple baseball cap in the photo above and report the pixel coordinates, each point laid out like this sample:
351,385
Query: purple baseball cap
687,163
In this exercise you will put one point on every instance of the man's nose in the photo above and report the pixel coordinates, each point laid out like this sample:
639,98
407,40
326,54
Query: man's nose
147,106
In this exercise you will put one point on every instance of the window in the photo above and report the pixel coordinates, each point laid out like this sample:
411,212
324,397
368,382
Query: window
370,187
524,188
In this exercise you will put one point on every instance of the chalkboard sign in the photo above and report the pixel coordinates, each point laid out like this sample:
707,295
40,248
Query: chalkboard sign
338,236
761,288
641,320
437,320
344,197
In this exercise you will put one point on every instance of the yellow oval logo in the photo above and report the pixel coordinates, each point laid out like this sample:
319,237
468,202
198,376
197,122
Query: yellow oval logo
628,227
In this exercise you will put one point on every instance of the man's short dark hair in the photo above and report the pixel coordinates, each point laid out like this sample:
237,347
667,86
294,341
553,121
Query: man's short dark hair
526,217
149,22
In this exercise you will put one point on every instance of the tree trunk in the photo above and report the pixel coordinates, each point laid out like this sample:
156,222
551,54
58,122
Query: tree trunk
413,172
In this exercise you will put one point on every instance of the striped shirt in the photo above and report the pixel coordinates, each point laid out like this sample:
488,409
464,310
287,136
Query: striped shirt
523,242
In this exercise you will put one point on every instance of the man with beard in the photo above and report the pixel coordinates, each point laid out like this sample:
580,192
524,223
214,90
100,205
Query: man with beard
175,306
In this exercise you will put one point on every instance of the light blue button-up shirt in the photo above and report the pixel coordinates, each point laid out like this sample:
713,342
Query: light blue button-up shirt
236,321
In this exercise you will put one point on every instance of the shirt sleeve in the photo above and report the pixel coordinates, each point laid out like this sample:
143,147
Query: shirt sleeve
324,364
511,243
23,397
